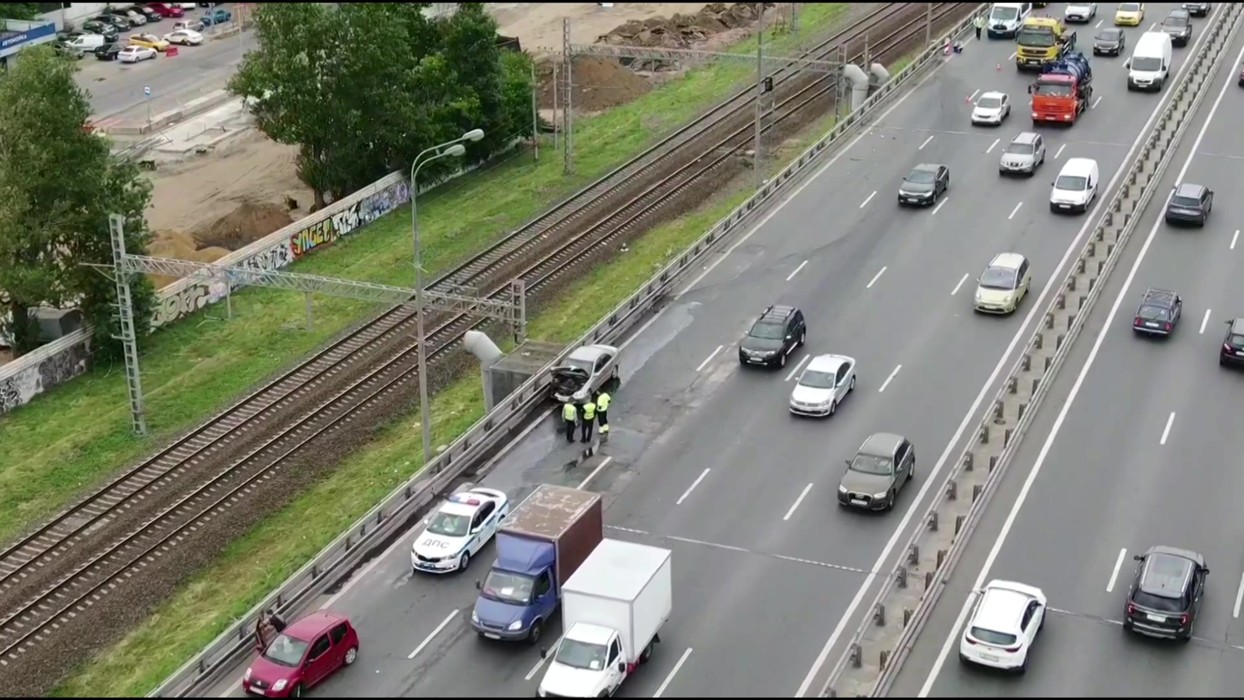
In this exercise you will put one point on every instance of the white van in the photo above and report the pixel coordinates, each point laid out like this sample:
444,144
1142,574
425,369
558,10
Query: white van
1150,63
1076,186
86,42
1005,18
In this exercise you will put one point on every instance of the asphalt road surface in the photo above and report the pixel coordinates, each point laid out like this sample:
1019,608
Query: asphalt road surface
1145,451
704,457
116,89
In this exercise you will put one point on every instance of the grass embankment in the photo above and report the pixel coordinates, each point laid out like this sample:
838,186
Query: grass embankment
193,369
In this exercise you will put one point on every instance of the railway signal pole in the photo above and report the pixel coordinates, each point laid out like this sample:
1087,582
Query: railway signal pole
510,308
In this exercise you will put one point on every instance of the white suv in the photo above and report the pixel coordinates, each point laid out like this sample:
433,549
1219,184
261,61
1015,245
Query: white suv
1003,626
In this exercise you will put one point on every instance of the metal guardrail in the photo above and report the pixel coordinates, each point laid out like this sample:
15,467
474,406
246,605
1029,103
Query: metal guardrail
387,518
1010,415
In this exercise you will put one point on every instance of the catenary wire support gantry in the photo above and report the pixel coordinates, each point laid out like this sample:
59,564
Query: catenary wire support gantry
511,308
568,97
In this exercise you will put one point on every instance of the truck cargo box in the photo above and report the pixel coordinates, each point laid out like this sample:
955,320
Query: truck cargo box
570,520
625,587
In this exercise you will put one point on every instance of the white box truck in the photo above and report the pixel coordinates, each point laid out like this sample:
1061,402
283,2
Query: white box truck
612,608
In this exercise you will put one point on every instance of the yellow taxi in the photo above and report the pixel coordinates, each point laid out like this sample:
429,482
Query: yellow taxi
1129,14
148,41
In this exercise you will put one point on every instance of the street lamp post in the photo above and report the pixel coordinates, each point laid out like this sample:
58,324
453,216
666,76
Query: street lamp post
449,148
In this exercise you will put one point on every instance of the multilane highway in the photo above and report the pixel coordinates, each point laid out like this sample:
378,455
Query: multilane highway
1145,451
704,458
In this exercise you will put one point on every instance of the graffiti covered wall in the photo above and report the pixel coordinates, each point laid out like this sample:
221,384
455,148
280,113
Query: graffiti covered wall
41,372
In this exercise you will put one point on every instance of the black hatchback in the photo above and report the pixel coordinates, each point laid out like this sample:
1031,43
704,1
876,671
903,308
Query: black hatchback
1232,351
1159,312
1190,204
1166,593
773,337
1179,26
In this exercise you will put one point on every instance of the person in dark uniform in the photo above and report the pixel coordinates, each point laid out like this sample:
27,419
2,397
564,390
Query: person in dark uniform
570,413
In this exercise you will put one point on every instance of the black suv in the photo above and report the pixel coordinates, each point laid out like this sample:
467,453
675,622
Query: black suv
1166,593
1179,25
774,336
1232,352
1159,312
1190,204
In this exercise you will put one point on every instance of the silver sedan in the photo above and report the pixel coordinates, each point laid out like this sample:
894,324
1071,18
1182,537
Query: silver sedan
823,385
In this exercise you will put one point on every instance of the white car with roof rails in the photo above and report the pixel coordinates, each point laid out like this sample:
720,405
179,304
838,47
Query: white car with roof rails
822,385
458,529
1003,626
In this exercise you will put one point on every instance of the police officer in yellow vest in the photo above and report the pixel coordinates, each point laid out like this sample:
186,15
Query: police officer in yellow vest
589,417
602,411
570,413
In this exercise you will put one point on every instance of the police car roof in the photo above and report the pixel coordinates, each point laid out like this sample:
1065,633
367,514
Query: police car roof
460,506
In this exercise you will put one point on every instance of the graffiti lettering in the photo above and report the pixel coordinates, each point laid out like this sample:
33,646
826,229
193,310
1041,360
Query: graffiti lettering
28,382
273,258
187,301
383,202
325,232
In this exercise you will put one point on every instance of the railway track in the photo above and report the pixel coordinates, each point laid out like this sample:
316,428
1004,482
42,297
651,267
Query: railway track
541,253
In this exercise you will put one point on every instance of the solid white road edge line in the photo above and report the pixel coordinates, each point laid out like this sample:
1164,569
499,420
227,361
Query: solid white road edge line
875,278
1114,573
931,479
1205,321
791,276
673,672
1075,390
691,488
428,640
889,379
799,366
709,359
1166,432
802,494
1239,596
599,468
961,281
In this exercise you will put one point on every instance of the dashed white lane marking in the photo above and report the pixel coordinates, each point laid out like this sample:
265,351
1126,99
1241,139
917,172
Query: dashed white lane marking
691,488
991,146
972,97
1235,237
802,494
599,468
1239,596
428,640
709,359
1204,321
798,367
1098,25
926,142
1166,432
889,379
870,198
1114,575
1014,211
673,672
1012,56
1060,151
961,281
791,276
1096,101
875,278
940,205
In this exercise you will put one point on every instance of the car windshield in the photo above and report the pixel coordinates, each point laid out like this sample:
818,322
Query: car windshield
576,654
584,365
872,464
1146,63
1153,313
819,380
1158,602
920,177
285,650
1020,149
768,331
988,636
1129,7
1070,182
1052,89
1039,38
507,587
449,525
989,102
1004,14
998,278
1109,34
1182,201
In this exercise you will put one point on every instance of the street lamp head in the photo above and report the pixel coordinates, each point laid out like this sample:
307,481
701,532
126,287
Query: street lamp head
455,150
473,135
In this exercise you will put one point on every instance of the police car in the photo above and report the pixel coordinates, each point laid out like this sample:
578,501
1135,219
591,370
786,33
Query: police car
458,529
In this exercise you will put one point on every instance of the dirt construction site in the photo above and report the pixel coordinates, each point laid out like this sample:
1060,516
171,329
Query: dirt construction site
215,200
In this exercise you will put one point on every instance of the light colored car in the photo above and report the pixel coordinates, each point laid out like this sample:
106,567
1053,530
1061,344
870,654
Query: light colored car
1129,14
584,371
134,54
1023,154
184,37
1003,284
193,25
458,529
1080,12
150,41
1003,626
991,108
1076,186
822,385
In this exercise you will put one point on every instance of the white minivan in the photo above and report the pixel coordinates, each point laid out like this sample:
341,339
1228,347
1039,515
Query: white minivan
86,42
1150,63
1005,18
1076,186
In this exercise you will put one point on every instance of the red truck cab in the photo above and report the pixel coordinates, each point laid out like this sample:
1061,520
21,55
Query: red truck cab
1062,91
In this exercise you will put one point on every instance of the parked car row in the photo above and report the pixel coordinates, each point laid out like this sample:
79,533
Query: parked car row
101,35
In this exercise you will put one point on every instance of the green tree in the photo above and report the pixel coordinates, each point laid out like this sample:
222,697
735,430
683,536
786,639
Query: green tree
19,10
58,184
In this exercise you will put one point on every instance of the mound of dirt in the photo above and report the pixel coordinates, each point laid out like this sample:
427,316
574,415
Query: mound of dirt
246,224
684,31
599,84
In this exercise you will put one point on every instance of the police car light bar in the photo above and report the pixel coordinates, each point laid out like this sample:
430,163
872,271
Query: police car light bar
464,498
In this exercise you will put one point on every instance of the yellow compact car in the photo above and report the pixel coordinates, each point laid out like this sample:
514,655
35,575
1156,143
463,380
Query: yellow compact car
148,41
1003,285
1129,14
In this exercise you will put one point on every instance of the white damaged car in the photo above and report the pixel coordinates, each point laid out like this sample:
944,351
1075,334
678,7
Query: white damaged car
458,529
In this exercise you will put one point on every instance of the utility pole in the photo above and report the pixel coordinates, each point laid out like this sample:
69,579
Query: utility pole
568,109
928,24
128,337
760,91
794,17
535,115
557,132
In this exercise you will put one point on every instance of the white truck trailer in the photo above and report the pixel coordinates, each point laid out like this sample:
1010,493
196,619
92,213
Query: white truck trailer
612,608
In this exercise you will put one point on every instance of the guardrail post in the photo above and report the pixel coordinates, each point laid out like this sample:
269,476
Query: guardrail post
879,615
984,435
941,558
976,491
932,521
1006,437
1038,341
997,412
1060,301
884,658
928,580
959,520
856,660
1012,384
967,461
952,491
1022,408
900,576
1025,362
913,555
1049,320
1058,341
906,616
1080,262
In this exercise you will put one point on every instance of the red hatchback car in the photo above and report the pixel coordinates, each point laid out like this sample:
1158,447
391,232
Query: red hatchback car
305,654
166,9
